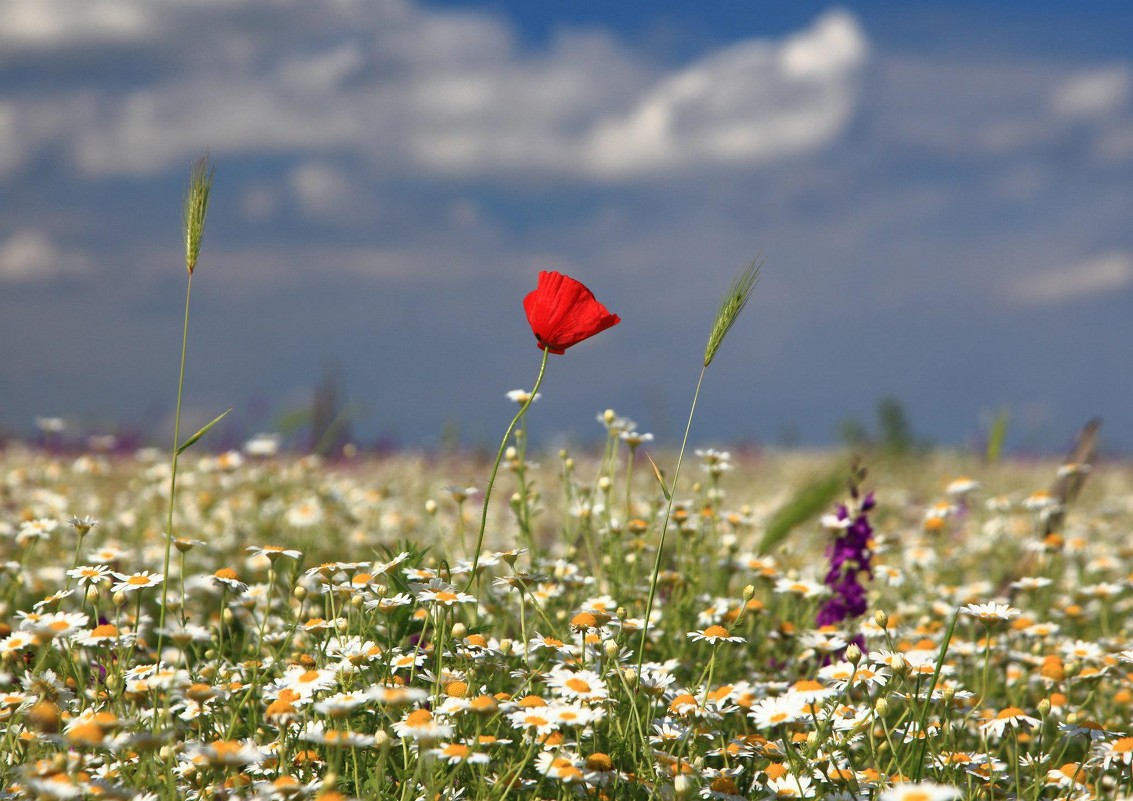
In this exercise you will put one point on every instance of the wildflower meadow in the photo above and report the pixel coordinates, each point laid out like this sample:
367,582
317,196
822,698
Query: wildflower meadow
625,622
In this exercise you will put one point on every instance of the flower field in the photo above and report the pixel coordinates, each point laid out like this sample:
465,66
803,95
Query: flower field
324,634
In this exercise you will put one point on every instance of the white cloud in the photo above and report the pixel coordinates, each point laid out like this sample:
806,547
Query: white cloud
30,256
323,190
1110,272
49,24
752,103
1096,93
406,88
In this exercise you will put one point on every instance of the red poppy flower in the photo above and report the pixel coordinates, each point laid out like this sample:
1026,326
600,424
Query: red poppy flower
563,312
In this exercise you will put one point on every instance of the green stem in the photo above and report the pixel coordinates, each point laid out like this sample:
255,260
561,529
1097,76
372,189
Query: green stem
496,466
672,493
173,469
918,768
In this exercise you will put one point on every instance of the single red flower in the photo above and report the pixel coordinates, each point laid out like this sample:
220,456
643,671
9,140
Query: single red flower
563,312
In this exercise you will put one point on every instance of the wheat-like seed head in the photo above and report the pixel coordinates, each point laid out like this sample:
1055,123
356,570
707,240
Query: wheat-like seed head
730,308
196,208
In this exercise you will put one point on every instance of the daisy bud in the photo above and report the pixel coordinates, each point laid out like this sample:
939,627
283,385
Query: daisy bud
166,752
853,654
881,619
516,500
683,786
119,598
749,592
609,416
881,707
381,740
459,630
356,601
568,465
300,592
92,594
611,649
1044,707
604,483
506,647
511,453
430,507
563,453
228,617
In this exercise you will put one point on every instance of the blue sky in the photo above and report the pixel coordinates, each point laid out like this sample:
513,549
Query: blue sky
941,194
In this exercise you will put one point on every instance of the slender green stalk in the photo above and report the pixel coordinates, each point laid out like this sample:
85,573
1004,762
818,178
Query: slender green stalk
499,458
918,768
173,468
194,213
672,493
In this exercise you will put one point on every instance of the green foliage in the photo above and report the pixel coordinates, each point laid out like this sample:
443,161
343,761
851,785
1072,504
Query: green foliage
808,502
996,436
203,430
895,435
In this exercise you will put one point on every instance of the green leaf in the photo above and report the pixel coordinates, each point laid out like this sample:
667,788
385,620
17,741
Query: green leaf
996,436
204,430
660,478
807,502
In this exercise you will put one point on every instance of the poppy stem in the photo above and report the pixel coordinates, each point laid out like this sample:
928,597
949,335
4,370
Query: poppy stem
499,458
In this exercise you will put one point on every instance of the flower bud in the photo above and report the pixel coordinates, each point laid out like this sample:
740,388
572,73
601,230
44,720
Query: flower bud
881,619
749,592
609,416
119,598
611,648
853,654
300,592
880,707
1044,707
459,630
684,786
604,483
430,507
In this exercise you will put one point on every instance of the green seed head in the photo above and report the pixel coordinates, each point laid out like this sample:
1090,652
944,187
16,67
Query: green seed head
730,308
196,208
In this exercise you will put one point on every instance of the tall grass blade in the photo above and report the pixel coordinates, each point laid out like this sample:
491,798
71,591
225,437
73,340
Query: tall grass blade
806,504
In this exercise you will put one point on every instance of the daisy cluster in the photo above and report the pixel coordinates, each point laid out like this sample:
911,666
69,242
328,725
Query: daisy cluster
324,634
